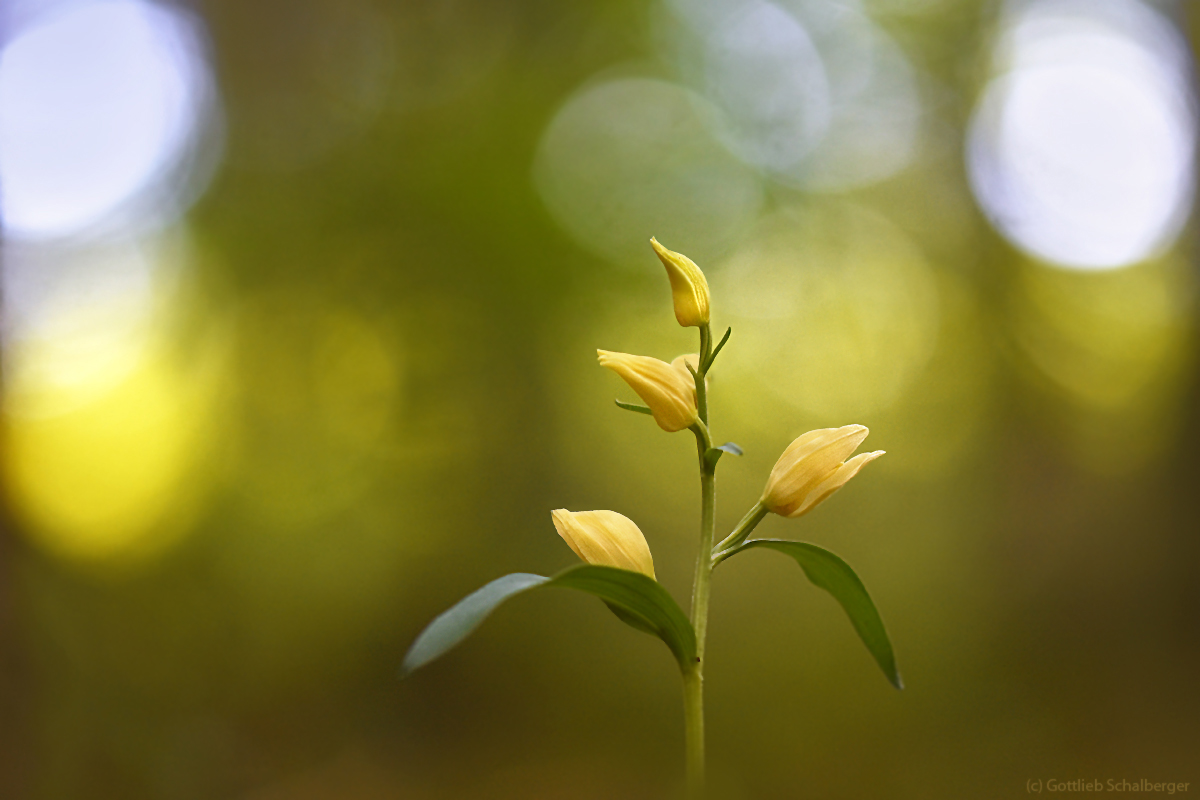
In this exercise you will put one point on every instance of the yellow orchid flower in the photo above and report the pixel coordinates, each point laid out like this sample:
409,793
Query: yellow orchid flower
668,390
605,538
813,467
689,289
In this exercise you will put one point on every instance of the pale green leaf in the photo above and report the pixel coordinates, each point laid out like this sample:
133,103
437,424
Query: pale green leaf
636,599
829,572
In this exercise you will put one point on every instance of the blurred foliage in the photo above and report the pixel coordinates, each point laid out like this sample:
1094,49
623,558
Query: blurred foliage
376,376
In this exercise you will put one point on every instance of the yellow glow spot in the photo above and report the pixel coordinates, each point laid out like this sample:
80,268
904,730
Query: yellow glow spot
99,481
321,385
836,311
105,423
1111,349
354,379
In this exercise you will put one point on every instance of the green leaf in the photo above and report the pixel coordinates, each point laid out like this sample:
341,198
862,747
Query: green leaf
713,454
634,407
636,599
642,597
831,573
457,623
631,620
717,349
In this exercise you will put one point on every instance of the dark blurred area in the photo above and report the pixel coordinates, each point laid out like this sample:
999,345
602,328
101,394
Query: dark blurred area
300,309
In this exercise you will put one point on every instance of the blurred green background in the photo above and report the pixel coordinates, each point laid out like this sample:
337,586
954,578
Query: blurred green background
324,362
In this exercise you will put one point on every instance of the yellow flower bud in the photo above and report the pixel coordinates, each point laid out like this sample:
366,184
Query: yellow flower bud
667,390
605,538
689,289
814,467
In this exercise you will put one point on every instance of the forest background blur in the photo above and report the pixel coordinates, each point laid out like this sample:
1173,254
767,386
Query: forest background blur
301,304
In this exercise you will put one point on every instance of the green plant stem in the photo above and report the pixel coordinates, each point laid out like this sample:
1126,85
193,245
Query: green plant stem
740,533
693,716
699,373
693,679
708,498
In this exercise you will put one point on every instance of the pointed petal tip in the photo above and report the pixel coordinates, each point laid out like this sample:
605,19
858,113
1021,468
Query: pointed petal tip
669,258
856,434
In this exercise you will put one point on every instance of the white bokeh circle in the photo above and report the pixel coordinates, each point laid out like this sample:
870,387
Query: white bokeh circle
1081,152
99,103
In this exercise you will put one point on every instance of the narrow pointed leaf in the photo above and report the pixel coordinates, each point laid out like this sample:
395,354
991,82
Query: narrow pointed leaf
634,407
457,623
638,600
713,454
640,596
831,573
717,349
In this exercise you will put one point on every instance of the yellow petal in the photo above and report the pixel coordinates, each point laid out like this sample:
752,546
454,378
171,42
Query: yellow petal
806,464
680,363
605,538
689,288
834,481
669,393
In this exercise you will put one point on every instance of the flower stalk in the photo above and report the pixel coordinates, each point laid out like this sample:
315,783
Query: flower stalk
693,680
693,718
730,543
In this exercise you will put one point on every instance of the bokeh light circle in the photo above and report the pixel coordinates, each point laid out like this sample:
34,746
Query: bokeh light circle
812,92
632,158
109,420
836,311
1081,153
875,106
763,70
99,102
